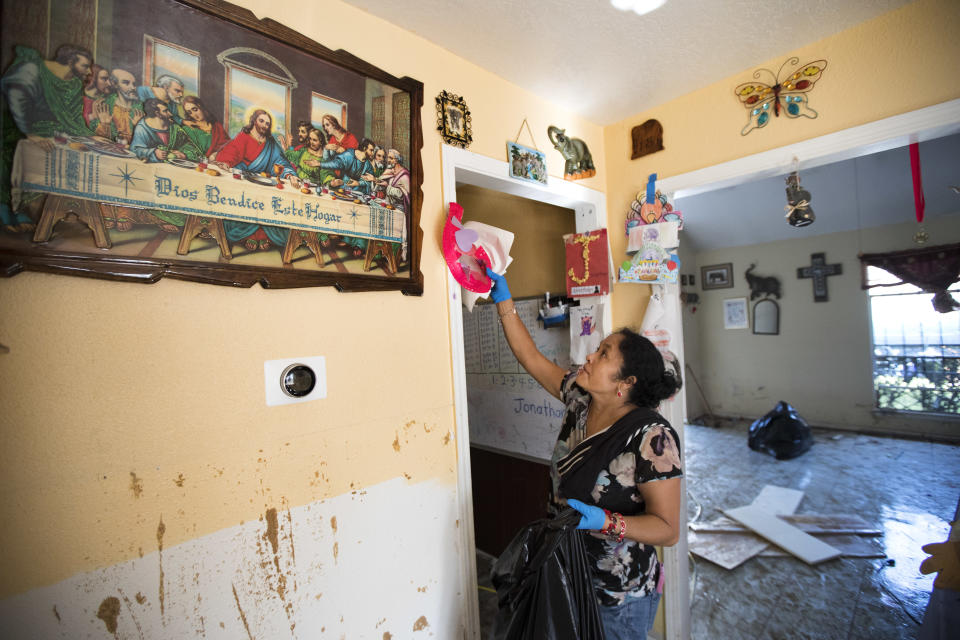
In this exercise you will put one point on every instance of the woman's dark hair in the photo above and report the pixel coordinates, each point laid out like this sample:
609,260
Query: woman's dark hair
655,381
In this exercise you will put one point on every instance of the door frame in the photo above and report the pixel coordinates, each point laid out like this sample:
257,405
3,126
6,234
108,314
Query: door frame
590,211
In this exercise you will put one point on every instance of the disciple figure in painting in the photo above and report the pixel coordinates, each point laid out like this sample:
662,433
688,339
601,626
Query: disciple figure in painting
255,150
396,179
43,97
169,90
203,127
295,144
338,138
308,160
157,137
116,116
97,88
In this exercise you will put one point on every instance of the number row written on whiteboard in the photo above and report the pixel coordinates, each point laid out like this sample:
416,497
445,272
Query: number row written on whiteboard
486,349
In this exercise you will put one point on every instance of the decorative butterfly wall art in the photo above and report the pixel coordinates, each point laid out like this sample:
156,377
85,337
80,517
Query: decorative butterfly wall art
788,94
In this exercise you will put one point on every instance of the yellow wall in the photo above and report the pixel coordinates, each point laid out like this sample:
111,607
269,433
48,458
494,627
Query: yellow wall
106,381
538,250
901,61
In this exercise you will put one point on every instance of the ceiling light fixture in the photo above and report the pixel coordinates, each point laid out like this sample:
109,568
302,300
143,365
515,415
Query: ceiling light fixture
639,7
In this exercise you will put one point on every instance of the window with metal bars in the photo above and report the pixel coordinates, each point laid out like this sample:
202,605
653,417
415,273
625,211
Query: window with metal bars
916,350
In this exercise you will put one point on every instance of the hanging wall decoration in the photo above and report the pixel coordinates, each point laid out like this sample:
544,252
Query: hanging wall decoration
799,211
654,258
818,272
788,93
587,263
647,138
526,163
650,207
453,120
761,285
579,162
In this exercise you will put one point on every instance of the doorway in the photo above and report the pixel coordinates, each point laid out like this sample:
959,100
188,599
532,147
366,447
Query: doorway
466,168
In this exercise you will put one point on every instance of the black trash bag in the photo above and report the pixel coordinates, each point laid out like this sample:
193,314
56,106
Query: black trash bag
781,433
544,591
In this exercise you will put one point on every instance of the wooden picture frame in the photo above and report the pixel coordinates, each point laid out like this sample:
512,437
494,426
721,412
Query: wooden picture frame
453,120
717,276
87,195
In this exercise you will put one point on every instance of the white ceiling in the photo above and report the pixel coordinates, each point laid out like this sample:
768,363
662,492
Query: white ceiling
606,64
868,191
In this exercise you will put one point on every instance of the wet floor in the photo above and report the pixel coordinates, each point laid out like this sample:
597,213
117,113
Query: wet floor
909,489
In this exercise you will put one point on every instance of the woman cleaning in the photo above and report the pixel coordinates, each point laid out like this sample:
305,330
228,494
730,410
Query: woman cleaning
616,461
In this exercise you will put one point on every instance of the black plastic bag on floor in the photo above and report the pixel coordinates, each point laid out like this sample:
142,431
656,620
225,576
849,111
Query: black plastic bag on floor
544,591
781,433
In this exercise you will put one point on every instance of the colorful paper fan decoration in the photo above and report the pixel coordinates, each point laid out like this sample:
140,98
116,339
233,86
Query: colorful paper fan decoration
466,260
651,207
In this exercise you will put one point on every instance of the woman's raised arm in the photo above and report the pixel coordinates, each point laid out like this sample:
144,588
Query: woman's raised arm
543,370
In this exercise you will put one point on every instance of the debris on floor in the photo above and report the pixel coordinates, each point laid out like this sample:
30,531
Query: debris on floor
770,519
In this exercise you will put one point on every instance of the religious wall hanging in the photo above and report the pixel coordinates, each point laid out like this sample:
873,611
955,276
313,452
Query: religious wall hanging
578,163
646,138
818,271
787,93
587,271
526,163
218,148
453,120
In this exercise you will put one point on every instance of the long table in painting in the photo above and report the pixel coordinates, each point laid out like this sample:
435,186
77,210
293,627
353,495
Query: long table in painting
116,177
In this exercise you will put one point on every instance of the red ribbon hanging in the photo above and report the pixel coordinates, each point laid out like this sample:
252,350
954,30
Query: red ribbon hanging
918,201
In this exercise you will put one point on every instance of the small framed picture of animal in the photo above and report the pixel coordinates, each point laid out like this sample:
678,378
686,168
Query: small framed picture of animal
717,276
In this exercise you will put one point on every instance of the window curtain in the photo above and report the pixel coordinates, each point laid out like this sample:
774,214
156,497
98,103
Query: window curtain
932,269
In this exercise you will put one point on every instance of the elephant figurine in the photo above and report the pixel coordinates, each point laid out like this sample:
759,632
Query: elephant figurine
579,162
762,285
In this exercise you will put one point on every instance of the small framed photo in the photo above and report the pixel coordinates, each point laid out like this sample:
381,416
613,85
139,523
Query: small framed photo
453,120
683,279
526,163
735,314
717,276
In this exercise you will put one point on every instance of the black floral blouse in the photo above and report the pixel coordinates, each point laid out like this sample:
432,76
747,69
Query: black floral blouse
627,569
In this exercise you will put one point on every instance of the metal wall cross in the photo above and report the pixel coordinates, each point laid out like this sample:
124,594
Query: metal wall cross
819,270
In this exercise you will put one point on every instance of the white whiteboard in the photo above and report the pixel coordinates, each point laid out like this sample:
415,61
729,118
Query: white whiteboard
507,409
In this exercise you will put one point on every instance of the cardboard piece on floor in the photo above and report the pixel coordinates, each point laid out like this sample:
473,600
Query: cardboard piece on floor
782,534
850,546
729,550
778,500
810,523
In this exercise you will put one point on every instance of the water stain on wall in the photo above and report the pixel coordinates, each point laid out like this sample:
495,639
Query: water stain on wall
387,635
136,485
141,599
179,480
108,612
161,529
396,443
243,616
420,624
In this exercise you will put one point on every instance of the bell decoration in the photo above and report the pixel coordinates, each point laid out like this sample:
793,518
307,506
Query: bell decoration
799,213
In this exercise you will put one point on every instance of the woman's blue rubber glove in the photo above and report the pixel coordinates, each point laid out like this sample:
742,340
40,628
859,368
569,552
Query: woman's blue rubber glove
592,517
499,292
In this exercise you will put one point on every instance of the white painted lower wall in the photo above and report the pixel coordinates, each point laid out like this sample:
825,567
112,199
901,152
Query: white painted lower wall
381,562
